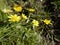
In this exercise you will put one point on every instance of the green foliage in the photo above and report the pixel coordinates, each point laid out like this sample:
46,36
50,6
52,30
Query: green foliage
20,36
24,32
3,16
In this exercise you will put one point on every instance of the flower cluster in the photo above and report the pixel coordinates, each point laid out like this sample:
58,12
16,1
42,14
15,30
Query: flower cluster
16,18
22,16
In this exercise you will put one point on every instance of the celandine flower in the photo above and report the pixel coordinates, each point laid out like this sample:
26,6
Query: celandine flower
46,21
17,8
24,16
35,23
14,18
31,10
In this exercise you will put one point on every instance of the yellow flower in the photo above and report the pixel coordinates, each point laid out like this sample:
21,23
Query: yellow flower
7,10
14,18
17,8
35,23
46,21
31,10
24,16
